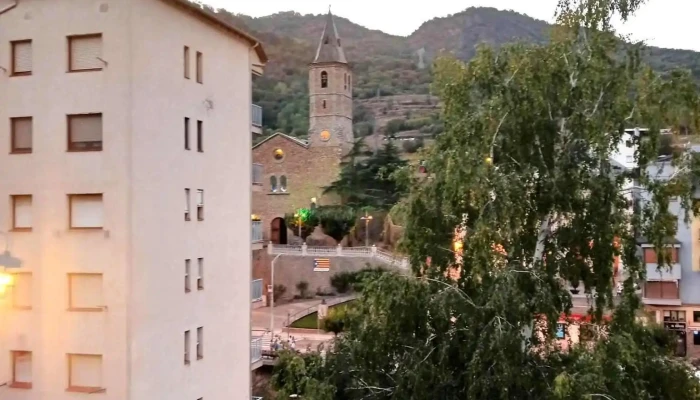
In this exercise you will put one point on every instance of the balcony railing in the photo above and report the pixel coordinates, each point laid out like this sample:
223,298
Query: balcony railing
257,231
257,174
255,349
257,290
257,115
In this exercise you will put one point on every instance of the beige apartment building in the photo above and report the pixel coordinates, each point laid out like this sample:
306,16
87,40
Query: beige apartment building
115,117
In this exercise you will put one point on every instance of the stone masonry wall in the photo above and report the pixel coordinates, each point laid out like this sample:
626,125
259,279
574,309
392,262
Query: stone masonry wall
308,171
290,270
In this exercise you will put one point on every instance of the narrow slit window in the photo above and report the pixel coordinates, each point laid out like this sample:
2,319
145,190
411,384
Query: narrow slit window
200,67
187,204
187,347
187,62
187,133
273,184
187,276
200,136
200,205
200,274
200,343
324,79
283,183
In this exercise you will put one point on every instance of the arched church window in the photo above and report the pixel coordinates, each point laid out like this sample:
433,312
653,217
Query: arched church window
273,184
283,183
324,79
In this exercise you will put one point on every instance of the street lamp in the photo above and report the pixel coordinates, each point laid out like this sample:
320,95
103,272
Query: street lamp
297,216
366,218
7,261
272,297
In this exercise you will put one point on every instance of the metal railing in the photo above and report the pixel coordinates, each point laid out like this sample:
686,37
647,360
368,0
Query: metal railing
257,174
257,290
255,350
257,233
257,115
339,251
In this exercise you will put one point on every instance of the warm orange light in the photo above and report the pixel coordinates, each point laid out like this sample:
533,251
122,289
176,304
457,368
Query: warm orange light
459,246
5,282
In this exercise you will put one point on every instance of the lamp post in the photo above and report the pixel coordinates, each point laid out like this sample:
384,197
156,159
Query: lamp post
7,261
366,218
297,215
272,297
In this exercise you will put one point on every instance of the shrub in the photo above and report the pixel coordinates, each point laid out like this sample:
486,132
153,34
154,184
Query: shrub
303,288
323,292
412,146
278,291
343,281
335,320
336,221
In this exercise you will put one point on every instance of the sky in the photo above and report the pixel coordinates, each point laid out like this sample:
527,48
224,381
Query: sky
662,23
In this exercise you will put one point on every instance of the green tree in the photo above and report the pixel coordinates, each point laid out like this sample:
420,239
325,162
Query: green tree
352,177
335,320
523,170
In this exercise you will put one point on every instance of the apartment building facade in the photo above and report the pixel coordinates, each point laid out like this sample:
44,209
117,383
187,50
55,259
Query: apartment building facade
115,115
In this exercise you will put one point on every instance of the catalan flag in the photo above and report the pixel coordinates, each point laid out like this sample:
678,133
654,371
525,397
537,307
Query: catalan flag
322,264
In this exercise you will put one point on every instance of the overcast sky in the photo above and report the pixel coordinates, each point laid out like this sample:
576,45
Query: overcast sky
663,23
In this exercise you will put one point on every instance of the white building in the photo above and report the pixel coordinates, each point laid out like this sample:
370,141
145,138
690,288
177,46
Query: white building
115,116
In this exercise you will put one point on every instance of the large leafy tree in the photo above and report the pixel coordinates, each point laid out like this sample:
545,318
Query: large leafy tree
524,172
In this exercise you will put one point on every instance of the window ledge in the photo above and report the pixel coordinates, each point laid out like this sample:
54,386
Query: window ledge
72,71
278,193
85,309
85,389
21,230
72,228
83,150
20,151
28,73
200,357
22,308
21,385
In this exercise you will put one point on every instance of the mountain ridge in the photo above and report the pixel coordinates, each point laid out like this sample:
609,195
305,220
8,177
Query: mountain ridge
385,64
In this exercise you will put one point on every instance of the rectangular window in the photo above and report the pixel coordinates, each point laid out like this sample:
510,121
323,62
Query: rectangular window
187,204
85,373
22,212
696,338
85,292
200,136
187,276
674,316
22,291
696,316
187,133
85,53
85,132
187,62
200,66
200,274
650,255
200,343
21,370
21,135
21,58
187,347
200,205
86,211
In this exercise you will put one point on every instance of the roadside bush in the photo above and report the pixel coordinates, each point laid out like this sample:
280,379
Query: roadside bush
278,291
343,281
355,280
335,320
303,289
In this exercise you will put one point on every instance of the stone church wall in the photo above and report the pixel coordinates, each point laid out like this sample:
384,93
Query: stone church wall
307,171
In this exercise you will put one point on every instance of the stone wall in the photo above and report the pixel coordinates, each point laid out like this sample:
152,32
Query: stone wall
291,269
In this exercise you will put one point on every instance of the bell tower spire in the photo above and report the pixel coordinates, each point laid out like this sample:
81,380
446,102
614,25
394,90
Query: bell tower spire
330,92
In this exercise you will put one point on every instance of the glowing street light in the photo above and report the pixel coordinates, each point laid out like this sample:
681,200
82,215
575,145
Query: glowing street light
366,218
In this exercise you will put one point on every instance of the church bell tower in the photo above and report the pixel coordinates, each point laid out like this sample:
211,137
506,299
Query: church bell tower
330,93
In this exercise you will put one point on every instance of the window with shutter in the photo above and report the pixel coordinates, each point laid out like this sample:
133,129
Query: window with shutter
86,211
200,205
22,291
85,373
85,53
85,292
21,212
21,58
21,135
21,370
85,132
187,204
200,343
